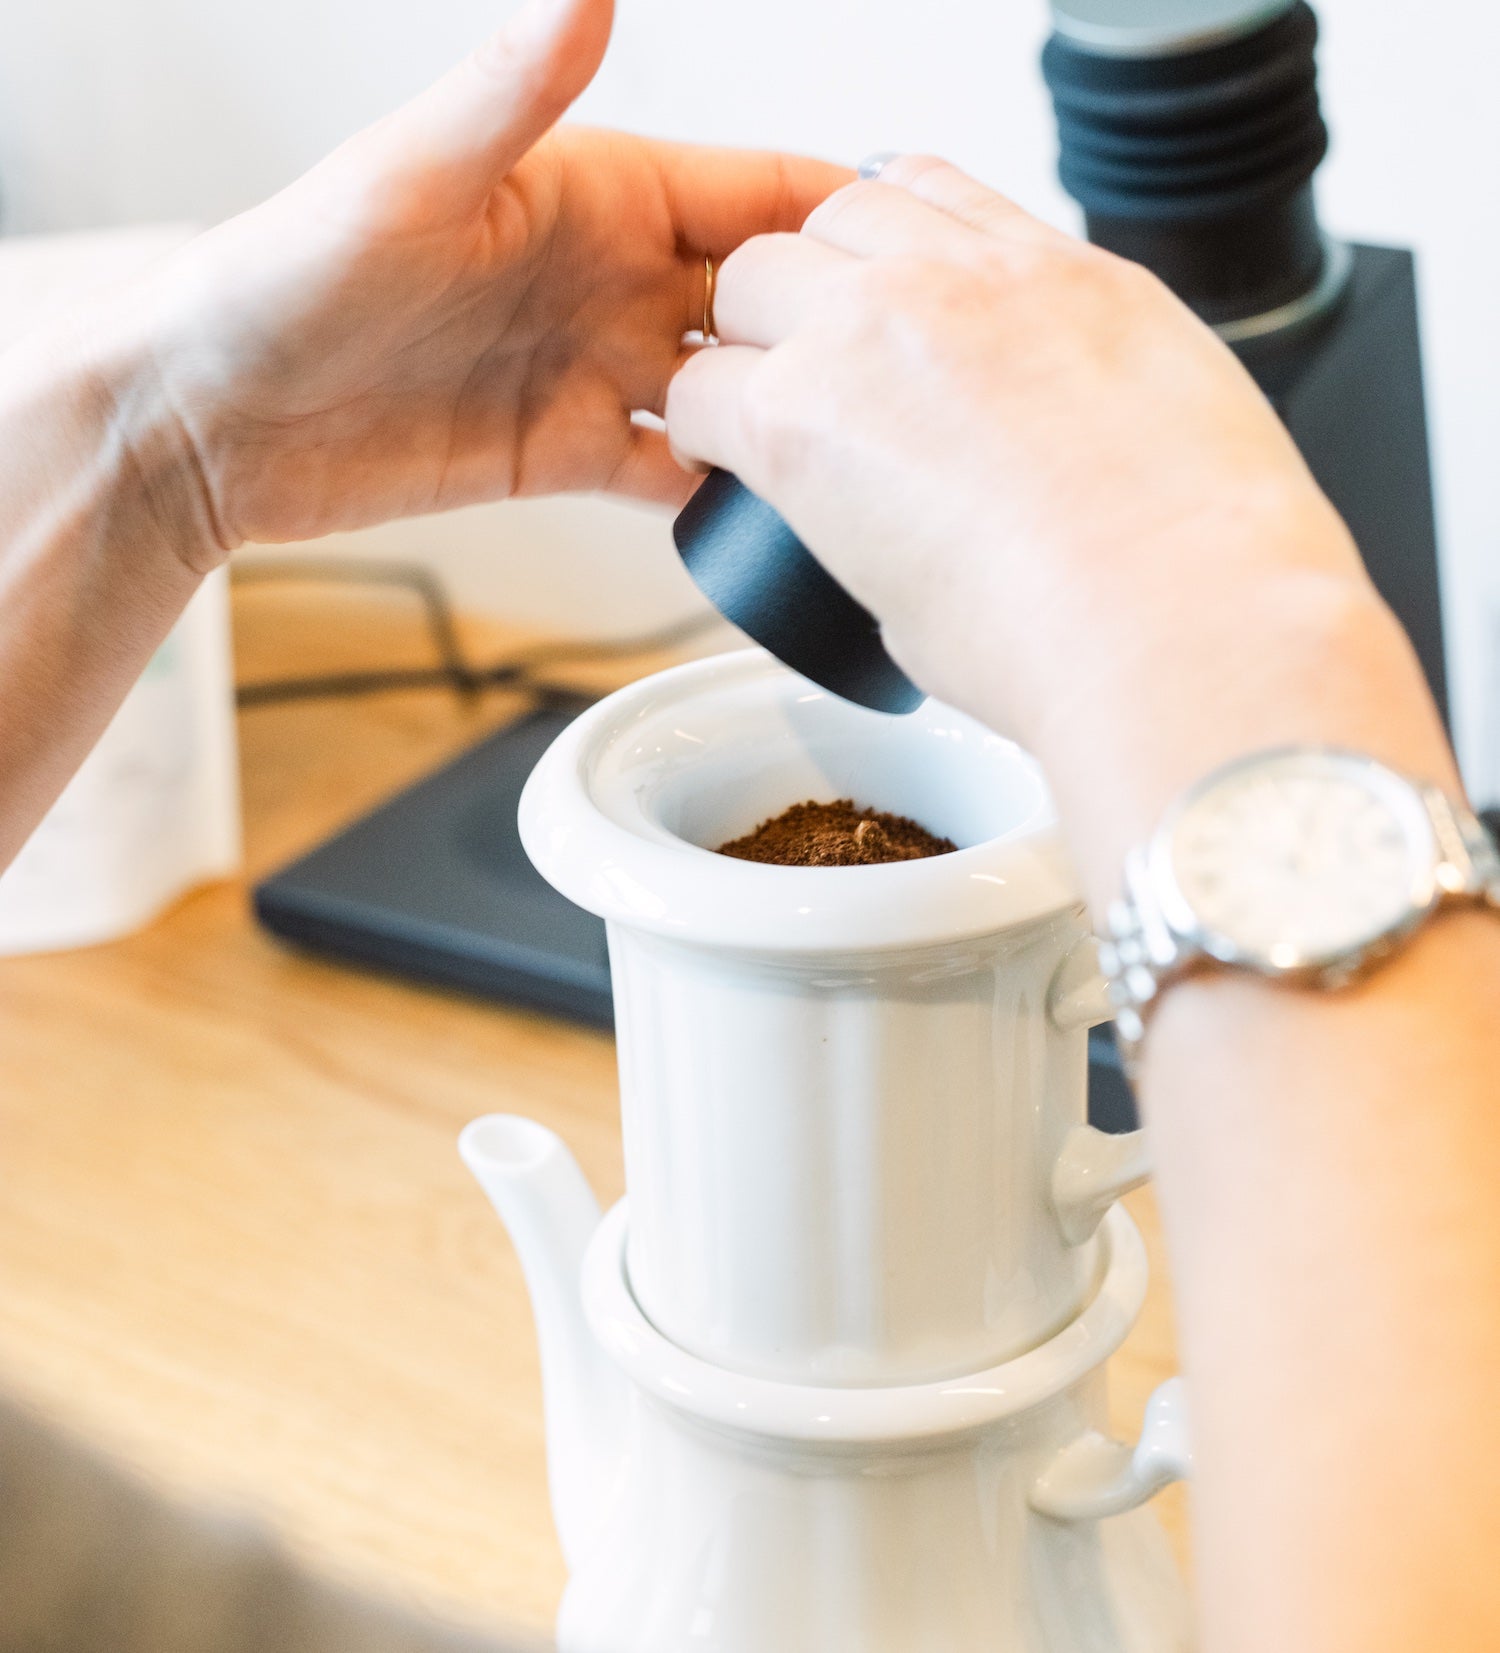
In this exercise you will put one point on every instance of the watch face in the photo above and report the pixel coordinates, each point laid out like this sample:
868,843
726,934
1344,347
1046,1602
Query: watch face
1299,860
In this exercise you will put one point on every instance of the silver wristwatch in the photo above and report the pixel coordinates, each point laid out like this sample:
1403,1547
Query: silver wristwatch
1304,864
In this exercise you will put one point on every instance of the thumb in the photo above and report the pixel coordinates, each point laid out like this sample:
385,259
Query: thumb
483,115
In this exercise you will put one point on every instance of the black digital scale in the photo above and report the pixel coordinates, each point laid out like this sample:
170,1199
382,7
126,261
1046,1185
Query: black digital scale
434,885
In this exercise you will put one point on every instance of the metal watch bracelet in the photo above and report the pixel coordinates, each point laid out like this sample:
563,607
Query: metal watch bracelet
1140,954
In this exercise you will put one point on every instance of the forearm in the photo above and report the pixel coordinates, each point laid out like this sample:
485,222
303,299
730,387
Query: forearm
1328,1165
103,538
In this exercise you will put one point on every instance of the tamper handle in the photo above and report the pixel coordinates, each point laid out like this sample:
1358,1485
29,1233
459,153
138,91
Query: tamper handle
757,573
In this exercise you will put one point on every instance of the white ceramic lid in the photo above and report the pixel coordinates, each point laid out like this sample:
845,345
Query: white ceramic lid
626,809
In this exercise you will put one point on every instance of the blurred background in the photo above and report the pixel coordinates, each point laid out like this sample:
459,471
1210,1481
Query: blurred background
187,110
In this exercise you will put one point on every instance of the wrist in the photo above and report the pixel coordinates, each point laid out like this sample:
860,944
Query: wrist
103,541
1310,659
103,365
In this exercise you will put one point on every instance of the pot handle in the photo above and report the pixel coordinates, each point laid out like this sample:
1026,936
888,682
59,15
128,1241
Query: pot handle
1094,1168
1094,1477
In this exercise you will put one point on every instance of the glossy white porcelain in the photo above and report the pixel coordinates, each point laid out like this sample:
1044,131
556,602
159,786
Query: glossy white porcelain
624,811
551,1215
836,1384
750,1514
710,1512
853,1098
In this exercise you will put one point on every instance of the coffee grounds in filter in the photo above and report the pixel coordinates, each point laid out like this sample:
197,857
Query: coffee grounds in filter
836,835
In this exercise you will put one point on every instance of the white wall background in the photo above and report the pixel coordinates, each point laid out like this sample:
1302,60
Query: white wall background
114,111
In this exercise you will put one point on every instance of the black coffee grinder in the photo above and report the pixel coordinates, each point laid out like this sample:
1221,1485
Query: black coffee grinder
1190,133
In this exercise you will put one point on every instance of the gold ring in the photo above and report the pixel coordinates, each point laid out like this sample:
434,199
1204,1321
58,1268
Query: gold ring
711,277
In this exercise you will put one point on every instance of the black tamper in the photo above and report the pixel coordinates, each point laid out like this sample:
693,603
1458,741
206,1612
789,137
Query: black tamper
757,573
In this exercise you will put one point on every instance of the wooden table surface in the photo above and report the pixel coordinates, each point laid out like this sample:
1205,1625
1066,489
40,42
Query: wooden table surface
237,1247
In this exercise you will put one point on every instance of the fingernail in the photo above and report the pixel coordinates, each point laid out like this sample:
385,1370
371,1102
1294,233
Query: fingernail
873,165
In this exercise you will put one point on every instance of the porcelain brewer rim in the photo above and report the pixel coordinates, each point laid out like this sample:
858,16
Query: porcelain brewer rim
896,1413
624,810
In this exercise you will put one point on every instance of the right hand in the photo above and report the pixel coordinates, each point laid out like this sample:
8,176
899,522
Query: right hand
459,304
1065,500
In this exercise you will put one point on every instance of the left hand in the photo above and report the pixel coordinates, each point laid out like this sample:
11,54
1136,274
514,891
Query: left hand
457,305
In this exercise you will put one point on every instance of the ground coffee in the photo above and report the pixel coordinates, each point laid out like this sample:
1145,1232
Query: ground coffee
836,835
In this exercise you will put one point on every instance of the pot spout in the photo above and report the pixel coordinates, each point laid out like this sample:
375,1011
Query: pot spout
550,1213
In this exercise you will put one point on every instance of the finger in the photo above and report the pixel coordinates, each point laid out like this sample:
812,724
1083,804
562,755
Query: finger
705,420
872,220
642,382
649,472
953,191
773,285
483,115
720,197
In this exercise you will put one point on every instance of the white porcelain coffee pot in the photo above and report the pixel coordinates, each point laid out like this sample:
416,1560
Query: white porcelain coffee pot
836,1382
703,1511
